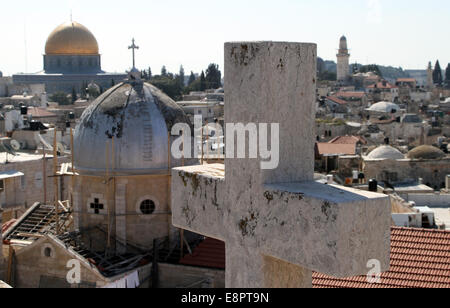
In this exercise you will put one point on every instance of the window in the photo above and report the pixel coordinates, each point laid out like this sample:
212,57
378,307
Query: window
2,185
97,205
48,252
147,207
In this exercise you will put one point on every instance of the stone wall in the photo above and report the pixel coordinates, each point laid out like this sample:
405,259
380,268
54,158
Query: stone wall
430,200
124,197
22,192
72,64
336,130
407,131
346,165
433,172
34,269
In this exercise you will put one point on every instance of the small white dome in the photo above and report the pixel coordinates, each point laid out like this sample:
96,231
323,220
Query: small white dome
385,107
385,152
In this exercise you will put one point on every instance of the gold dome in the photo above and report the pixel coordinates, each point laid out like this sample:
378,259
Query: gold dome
71,38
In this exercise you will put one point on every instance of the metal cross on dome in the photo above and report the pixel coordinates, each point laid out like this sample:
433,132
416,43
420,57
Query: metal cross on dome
133,47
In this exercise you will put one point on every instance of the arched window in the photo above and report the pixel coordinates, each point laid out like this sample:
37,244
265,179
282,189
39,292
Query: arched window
48,252
147,207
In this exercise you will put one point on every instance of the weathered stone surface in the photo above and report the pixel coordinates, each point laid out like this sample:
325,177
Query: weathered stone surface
268,82
328,229
278,224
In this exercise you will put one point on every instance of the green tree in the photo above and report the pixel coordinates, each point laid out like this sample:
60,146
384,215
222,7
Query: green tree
149,73
213,76
60,98
437,74
447,75
203,84
113,83
181,76
164,71
327,76
191,78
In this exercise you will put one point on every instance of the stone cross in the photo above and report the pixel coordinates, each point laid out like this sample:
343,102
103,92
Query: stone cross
279,225
133,47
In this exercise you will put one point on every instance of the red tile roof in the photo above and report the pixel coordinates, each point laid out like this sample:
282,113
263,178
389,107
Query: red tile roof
350,94
210,253
420,258
336,149
348,140
336,100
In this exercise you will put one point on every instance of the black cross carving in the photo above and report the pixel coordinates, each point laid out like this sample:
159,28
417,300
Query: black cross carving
97,206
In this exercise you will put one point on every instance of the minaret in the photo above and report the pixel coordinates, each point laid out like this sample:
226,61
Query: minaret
343,61
430,83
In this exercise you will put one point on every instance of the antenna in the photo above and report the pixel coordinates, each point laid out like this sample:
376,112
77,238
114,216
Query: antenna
25,45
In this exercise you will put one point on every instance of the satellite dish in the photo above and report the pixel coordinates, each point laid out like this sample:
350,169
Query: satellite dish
16,145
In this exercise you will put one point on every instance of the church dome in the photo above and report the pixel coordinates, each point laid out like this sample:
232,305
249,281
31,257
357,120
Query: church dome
384,107
136,117
71,38
426,152
385,152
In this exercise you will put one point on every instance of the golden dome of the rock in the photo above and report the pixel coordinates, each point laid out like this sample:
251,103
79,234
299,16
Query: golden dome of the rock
71,38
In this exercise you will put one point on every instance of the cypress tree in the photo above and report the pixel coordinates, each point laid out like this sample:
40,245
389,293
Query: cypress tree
202,81
191,78
437,74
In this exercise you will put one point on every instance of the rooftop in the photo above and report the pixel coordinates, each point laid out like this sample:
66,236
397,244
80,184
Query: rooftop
20,157
348,140
336,100
39,221
385,107
420,258
385,152
350,94
336,149
426,152
382,85
37,112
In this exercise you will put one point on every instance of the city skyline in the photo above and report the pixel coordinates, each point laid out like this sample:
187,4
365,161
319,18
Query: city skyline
192,34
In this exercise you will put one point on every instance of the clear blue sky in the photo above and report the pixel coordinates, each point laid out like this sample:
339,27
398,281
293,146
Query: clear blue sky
406,33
